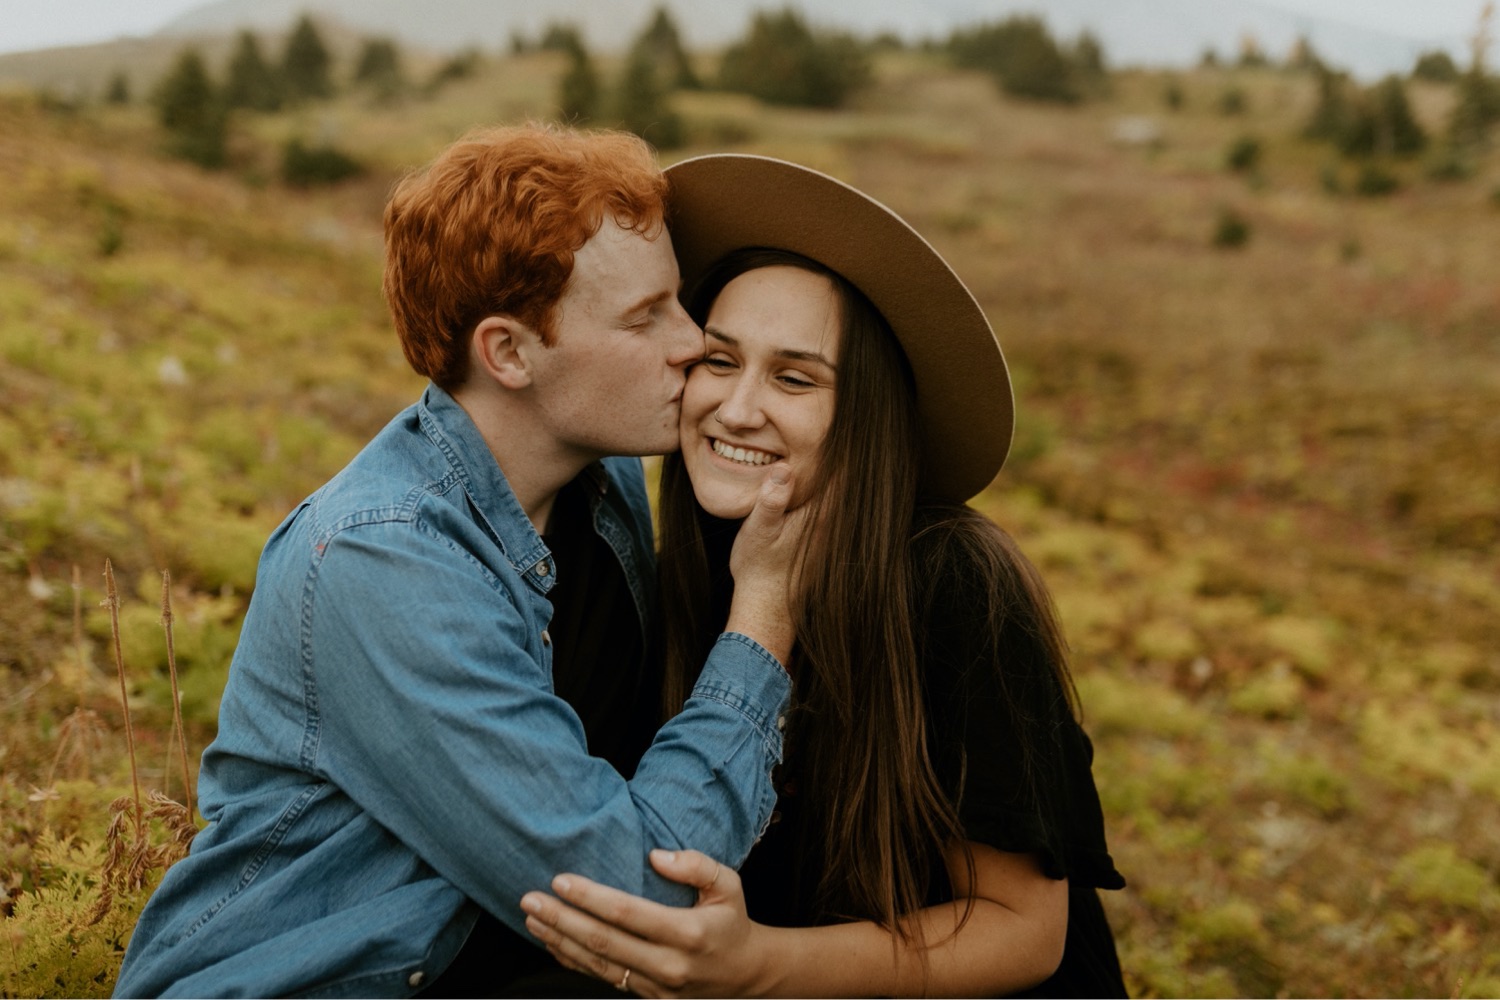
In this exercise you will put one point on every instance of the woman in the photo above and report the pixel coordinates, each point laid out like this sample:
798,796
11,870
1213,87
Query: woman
938,830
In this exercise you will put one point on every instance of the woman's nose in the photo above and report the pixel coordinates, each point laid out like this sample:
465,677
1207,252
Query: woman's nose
742,407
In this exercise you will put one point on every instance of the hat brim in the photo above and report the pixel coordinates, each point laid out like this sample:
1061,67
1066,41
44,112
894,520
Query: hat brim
966,412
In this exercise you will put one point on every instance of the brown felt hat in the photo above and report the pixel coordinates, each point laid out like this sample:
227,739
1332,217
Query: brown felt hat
728,201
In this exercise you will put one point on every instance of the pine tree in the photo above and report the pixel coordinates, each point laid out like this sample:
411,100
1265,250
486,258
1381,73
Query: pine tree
578,91
1477,109
1332,114
1088,59
379,68
1021,56
306,64
661,43
191,112
1252,56
1384,124
782,61
118,91
1303,58
1377,121
1436,66
641,102
251,83
560,37
457,67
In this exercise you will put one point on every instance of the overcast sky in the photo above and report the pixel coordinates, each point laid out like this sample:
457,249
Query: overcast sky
35,24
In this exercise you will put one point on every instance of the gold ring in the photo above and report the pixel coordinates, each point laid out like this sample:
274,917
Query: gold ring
624,984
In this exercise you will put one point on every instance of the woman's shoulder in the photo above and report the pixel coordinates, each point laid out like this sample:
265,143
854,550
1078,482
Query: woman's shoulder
968,572
953,544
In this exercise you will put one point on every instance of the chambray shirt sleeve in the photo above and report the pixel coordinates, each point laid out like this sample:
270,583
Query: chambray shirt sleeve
437,718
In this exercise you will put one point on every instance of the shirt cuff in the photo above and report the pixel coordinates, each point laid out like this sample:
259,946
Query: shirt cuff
743,675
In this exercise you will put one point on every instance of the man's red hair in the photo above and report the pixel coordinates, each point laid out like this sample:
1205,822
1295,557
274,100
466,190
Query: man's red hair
491,226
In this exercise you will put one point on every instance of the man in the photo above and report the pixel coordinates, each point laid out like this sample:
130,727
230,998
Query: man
396,761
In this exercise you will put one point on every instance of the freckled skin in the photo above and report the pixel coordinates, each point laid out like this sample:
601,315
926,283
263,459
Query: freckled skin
772,340
615,371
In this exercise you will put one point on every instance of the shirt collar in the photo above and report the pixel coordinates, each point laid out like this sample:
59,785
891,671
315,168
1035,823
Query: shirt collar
452,431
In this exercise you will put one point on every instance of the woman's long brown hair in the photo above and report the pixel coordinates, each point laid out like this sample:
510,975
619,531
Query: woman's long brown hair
857,735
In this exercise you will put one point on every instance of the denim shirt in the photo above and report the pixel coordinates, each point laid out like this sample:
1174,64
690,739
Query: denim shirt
391,756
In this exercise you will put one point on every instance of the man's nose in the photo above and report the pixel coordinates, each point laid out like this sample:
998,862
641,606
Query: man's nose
686,344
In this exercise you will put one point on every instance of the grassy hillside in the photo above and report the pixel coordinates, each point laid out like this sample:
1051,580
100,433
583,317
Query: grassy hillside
1262,480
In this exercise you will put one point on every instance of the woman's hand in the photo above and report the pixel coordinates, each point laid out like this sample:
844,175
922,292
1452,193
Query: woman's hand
712,949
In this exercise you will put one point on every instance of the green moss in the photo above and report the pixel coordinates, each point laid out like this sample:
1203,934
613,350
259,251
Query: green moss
1166,639
1273,693
1306,642
1310,781
1117,705
1435,873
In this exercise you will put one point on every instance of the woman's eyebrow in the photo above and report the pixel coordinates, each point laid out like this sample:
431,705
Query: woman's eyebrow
785,352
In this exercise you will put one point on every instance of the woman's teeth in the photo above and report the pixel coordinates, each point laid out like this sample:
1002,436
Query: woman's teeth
748,456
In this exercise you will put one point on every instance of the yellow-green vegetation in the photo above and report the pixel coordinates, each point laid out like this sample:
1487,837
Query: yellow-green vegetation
1261,478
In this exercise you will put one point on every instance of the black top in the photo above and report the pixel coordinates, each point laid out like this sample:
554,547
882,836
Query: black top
977,708
599,668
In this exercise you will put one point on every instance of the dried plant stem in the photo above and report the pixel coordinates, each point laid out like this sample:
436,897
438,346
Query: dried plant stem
78,624
112,601
178,730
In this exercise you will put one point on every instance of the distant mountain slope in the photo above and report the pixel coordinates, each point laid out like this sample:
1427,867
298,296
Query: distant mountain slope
1152,32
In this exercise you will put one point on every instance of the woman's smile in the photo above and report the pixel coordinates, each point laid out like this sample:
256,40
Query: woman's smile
741,455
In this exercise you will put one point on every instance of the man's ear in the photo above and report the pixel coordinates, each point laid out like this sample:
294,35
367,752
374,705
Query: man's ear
502,347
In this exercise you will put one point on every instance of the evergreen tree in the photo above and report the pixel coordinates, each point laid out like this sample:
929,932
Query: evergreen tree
1382,124
118,91
560,37
782,61
1436,66
1303,58
1477,109
1088,56
1021,56
459,67
191,112
306,63
578,92
1252,56
310,166
251,83
641,102
1373,122
662,45
379,68
1331,115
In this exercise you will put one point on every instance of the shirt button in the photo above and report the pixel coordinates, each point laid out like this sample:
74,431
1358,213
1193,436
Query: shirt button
415,979
546,638
781,723
543,568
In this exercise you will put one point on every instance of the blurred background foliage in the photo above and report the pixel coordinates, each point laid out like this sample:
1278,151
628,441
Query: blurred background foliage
1252,314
